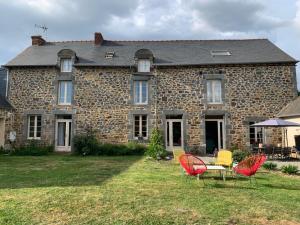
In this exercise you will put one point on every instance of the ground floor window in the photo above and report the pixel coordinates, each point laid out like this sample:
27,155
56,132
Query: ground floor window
140,126
256,134
34,126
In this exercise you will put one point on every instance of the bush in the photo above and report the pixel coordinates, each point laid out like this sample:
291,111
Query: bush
239,155
33,148
270,166
289,169
87,144
156,147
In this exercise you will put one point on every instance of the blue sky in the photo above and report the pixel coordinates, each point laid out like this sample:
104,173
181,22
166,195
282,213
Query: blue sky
277,20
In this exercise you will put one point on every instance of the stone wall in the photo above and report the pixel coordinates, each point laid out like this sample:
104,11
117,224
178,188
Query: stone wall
103,99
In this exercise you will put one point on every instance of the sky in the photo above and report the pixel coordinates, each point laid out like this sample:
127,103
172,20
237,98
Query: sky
277,20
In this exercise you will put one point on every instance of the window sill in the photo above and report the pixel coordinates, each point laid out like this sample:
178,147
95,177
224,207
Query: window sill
215,103
64,104
36,139
142,104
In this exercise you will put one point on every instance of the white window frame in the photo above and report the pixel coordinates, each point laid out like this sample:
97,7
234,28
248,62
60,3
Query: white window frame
256,131
34,128
65,94
140,127
213,92
144,65
140,94
68,68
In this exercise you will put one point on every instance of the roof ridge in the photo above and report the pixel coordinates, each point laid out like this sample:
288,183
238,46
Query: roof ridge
175,40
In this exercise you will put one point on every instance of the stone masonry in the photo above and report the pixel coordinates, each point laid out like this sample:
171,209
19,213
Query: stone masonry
103,99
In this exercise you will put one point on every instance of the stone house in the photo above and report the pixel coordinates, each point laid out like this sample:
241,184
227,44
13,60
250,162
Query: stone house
203,94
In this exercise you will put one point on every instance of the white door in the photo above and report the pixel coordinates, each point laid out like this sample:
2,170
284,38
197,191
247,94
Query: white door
174,134
63,135
2,131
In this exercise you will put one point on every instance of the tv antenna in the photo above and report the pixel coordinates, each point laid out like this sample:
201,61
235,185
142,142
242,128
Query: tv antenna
44,28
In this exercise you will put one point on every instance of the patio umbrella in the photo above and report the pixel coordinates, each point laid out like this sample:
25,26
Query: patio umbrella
277,123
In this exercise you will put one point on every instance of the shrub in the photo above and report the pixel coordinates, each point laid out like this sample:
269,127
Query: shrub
156,147
33,148
289,169
87,144
270,166
239,155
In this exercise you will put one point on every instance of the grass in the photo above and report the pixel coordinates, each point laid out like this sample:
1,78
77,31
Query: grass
133,190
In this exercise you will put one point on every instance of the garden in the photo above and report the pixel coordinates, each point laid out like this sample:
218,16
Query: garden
96,186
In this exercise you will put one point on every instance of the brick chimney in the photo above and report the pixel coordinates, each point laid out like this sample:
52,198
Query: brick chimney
37,40
98,38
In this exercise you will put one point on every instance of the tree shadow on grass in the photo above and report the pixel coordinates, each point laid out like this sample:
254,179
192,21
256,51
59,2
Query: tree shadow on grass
282,186
60,171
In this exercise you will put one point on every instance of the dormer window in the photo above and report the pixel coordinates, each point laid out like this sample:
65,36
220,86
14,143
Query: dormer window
66,65
144,65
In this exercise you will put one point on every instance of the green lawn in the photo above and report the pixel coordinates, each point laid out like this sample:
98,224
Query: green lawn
133,190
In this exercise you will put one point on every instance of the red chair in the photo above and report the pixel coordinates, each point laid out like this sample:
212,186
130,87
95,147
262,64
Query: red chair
192,165
249,166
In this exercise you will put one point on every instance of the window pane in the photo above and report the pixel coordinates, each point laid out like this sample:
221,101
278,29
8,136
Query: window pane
137,92
61,92
144,65
209,91
217,91
66,65
144,91
136,126
69,92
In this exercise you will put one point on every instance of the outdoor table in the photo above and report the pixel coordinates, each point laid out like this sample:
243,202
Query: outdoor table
221,169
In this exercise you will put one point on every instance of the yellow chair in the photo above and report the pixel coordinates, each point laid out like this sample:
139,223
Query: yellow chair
224,158
177,153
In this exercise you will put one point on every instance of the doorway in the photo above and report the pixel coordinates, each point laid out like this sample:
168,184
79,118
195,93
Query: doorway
215,135
174,134
63,135
2,132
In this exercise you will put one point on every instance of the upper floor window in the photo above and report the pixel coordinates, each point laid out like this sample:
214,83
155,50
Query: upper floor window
66,65
214,91
34,127
144,65
140,126
141,92
65,92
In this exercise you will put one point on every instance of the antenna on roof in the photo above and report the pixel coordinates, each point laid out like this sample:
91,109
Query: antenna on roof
41,27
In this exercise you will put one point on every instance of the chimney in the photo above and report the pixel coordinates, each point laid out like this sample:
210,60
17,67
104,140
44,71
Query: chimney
37,40
98,38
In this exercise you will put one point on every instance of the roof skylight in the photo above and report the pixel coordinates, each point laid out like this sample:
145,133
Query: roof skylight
220,53
109,55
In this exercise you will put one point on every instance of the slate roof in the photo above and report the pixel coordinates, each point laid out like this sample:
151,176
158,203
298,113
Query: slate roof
166,53
4,104
291,109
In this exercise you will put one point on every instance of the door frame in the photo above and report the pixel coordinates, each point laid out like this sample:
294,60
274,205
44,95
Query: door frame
68,135
171,147
219,121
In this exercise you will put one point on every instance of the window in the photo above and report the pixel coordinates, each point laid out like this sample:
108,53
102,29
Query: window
34,126
256,134
140,92
214,91
140,126
144,65
220,53
65,92
66,65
